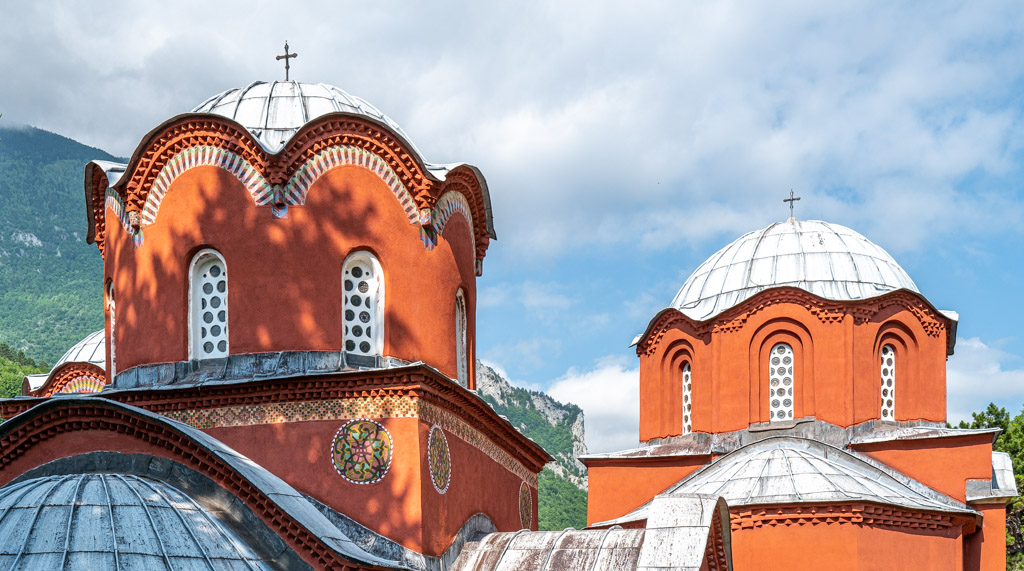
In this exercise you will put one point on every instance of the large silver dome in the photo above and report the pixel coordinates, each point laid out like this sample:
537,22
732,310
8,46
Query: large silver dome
275,111
828,260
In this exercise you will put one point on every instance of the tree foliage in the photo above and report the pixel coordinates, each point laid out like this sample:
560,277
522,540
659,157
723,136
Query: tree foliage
560,504
1010,441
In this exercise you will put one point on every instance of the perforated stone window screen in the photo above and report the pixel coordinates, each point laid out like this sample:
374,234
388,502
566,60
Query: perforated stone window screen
687,393
208,295
780,383
460,339
888,370
111,308
362,307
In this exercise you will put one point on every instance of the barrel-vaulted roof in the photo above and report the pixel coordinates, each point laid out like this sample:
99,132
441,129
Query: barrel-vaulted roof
828,260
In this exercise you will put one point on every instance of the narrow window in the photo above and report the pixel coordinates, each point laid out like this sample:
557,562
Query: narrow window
460,339
363,305
780,375
208,296
687,422
113,329
888,382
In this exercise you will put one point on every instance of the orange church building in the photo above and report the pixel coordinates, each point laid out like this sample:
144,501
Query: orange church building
285,379
799,374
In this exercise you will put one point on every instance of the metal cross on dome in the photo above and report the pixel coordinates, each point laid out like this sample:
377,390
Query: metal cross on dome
791,200
287,56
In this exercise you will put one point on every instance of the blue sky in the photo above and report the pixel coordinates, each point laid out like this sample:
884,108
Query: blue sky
623,144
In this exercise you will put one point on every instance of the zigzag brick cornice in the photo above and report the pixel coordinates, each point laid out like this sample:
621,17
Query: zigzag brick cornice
343,129
177,135
826,311
97,204
464,181
68,374
861,514
416,381
284,179
56,417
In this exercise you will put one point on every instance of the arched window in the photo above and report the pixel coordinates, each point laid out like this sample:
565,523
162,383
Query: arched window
111,306
687,419
461,354
363,305
208,298
888,365
781,382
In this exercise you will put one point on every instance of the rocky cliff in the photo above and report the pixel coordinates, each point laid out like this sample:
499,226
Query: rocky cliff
555,426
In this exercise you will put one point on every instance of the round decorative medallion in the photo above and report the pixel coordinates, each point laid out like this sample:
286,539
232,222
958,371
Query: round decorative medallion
525,506
439,459
362,451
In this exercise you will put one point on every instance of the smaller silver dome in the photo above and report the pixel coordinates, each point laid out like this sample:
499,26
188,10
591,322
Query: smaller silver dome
827,260
112,521
92,349
274,112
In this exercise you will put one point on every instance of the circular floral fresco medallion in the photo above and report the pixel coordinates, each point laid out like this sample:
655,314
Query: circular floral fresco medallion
362,451
525,506
439,459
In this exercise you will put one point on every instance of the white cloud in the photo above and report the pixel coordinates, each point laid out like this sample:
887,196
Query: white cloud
978,374
609,395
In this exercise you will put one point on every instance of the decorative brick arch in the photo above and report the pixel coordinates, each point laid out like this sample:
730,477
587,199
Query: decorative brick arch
74,378
34,438
283,179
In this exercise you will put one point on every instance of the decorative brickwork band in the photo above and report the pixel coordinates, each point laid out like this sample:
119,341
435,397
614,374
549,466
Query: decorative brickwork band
348,409
848,514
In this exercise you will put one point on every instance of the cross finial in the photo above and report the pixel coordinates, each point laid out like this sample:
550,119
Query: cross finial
287,56
791,200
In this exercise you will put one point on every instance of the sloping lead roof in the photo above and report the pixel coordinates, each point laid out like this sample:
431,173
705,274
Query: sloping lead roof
790,470
676,537
112,521
828,260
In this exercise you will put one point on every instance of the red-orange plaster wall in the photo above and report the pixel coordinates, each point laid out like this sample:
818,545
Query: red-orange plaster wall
985,550
837,367
619,487
843,547
403,506
284,275
943,464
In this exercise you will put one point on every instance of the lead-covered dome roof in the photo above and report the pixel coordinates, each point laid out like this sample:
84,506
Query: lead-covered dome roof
113,521
827,260
274,111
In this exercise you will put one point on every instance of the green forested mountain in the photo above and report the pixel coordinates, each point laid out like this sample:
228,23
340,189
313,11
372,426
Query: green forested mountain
51,286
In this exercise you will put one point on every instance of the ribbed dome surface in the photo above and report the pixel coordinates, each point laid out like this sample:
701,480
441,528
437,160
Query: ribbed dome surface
92,349
828,260
791,470
275,111
112,521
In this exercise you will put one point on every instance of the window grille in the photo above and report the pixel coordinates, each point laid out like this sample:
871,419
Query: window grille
208,324
781,382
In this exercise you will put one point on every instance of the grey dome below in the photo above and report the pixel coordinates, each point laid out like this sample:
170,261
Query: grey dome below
112,521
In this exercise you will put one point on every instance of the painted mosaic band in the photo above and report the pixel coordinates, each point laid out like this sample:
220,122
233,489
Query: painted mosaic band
262,192
112,201
453,202
349,409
